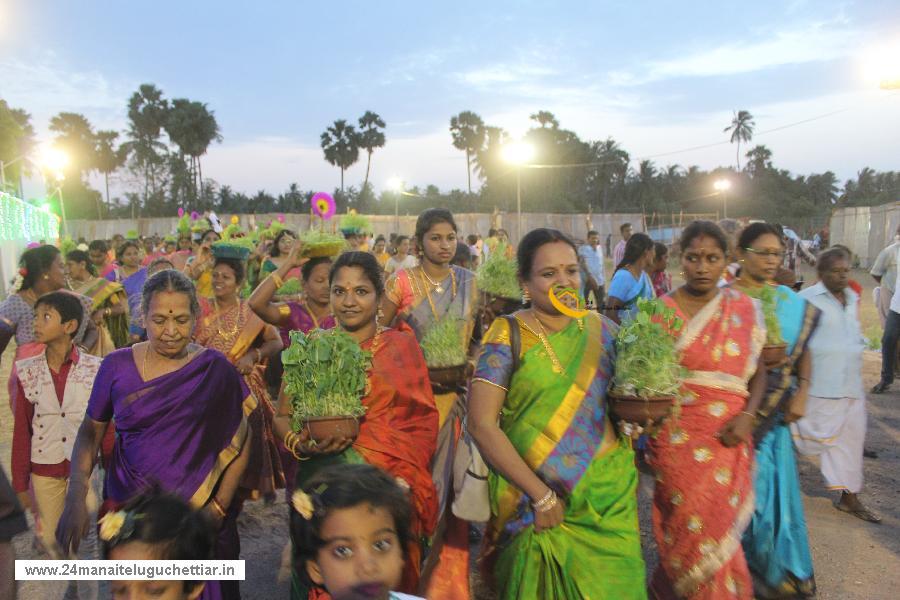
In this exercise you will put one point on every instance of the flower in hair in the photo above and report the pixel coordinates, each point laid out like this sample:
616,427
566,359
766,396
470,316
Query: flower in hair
303,504
402,483
23,271
111,524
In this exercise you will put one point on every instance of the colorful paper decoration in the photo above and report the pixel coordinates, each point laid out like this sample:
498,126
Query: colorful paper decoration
22,221
323,205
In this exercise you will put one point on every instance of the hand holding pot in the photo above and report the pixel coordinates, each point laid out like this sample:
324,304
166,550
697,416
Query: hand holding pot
306,446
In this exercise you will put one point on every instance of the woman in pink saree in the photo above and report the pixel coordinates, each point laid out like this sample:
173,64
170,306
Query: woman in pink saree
703,455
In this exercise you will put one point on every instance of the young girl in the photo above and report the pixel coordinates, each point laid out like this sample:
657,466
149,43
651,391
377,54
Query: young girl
156,526
352,521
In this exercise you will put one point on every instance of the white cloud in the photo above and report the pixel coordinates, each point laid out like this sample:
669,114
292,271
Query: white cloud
811,43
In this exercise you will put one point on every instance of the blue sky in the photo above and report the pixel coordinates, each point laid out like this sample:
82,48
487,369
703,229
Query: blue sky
657,76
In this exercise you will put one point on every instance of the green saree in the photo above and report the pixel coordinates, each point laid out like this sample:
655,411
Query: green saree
557,423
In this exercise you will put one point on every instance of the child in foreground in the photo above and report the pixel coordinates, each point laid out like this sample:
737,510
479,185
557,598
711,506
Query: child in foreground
156,526
351,524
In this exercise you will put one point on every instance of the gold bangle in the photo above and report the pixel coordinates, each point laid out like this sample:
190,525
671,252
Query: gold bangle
218,507
749,414
277,280
289,441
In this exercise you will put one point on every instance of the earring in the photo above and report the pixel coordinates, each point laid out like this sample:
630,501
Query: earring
46,276
741,260
526,297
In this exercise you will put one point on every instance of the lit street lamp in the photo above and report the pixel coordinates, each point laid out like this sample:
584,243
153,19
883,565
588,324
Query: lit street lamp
396,184
518,154
722,186
54,161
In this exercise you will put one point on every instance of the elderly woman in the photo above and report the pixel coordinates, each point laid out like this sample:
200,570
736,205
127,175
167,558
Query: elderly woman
180,413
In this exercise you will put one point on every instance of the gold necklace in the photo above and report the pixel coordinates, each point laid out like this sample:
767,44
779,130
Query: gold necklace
542,335
230,335
438,286
431,304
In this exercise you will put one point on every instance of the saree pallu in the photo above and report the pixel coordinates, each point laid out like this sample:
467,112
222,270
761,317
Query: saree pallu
397,434
113,332
704,491
134,286
179,431
557,423
419,305
234,332
775,542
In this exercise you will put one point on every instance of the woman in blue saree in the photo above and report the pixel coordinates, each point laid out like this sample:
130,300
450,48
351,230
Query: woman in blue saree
180,412
131,276
775,543
630,281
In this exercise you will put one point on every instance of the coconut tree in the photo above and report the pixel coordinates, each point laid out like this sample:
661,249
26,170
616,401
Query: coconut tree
468,133
741,129
108,158
371,136
545,118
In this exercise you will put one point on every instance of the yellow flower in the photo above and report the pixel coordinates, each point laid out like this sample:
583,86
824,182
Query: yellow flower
302,503
111,524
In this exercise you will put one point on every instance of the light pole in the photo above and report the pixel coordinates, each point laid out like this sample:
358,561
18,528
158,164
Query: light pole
518,154
722,186
396,184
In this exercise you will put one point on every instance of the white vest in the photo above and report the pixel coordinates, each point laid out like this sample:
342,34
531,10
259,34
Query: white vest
55,426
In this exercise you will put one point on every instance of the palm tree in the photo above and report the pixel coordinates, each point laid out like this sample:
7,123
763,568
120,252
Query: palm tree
192,127
341,145
544,118
371,136
147,111
741,129
468,133
108,157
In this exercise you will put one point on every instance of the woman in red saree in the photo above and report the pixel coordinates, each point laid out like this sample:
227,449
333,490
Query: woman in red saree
399,430
703,455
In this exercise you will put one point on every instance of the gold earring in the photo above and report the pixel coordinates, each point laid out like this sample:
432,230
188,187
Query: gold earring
46,276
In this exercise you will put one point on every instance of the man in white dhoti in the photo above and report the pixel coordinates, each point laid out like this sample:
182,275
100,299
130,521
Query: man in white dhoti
834,425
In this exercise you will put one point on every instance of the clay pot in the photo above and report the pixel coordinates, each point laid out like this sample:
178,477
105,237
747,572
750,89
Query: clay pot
641,411
774,356
499,306
322,428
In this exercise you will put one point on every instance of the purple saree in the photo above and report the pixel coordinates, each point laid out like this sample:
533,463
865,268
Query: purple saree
180,430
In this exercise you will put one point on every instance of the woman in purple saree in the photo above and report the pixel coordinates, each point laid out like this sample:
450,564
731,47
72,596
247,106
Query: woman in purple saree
180,413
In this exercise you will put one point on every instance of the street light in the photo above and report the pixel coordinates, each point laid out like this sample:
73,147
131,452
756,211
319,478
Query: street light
518,154
882,65
55,161
722,186
396,184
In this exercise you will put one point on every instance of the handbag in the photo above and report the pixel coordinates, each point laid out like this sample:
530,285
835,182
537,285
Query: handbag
471,500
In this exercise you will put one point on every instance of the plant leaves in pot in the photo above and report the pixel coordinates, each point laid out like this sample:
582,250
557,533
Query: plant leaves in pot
445,353
647,383
325,377
774,352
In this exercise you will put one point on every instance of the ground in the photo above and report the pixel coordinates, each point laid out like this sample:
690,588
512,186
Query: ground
853,560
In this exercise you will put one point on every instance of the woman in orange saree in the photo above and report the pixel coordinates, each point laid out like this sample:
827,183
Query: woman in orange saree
703,455
399,430
228,325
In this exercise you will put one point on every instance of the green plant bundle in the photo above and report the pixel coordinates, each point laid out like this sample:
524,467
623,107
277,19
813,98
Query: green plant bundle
768,297
647,363
184,225
240,242
352,222
66,245
317,243
272,230
233,230
131,234
201,225
291,287
443,344
498,275
325,375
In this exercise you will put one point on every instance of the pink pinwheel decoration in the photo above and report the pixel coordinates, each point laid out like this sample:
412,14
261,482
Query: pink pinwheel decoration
280,218
194,215
180,212
323,205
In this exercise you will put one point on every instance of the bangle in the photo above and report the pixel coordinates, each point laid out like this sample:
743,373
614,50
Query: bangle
547,498
107,312
549,506
218,507
749,414
277,280
258,355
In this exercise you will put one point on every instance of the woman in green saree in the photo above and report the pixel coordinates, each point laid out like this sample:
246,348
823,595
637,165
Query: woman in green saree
109,302
562,487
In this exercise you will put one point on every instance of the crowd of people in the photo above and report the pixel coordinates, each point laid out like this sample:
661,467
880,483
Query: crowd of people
149,408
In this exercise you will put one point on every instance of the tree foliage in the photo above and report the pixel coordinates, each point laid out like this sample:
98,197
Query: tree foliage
341,143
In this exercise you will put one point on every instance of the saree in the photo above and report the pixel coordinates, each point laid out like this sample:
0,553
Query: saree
557,423
775,542
419,305
398,434
134,286
234,332
203,282
629,290
114,329
703,498
180,431
268,267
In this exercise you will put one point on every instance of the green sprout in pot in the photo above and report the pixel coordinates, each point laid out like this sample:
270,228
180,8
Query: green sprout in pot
325,375
317,243
768,297
443,344
291,287
647,364
498,276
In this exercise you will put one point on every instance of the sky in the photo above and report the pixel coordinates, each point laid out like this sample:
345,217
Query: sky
662,78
